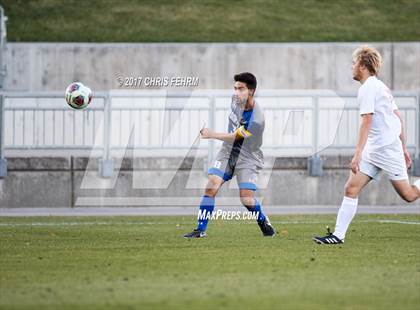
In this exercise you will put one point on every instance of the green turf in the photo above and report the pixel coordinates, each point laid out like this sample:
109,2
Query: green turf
212,20
143,263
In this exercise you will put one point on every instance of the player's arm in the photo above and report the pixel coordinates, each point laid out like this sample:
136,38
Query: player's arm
403,140
361,141
240,133
366,99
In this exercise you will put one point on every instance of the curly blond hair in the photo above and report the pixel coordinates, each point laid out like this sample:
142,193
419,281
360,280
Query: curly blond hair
369,57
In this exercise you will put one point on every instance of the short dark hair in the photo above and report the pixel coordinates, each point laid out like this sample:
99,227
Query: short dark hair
248,78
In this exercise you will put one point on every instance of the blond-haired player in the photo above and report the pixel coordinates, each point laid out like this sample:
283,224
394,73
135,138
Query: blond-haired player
381,143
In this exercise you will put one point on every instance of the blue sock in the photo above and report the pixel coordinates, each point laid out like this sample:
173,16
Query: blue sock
257,208
206,208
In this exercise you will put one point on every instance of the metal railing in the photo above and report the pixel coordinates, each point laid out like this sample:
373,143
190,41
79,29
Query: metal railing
300,123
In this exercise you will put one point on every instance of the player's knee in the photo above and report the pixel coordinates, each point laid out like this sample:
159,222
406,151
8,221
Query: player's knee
210,193
350,190
409,196
409,199
210,190
247,201
212,187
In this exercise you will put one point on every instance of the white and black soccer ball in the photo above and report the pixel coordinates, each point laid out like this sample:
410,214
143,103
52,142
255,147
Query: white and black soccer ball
78,96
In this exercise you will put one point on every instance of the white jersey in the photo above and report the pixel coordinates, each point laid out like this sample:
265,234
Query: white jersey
375,97
383,147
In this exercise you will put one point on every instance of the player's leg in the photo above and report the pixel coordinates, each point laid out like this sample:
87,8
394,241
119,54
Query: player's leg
407,191
354,185
254,206
395,166
213,185
247,182
251,203
207,201
217,175
206,207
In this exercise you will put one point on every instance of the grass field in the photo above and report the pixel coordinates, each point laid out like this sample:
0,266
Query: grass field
212,20
143,263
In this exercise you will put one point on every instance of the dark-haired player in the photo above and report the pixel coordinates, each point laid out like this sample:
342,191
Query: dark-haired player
240,155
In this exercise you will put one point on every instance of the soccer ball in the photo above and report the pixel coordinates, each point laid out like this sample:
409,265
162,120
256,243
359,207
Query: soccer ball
78,96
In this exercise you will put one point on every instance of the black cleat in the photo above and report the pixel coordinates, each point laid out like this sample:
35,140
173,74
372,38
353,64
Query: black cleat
195,234
328,239
266,228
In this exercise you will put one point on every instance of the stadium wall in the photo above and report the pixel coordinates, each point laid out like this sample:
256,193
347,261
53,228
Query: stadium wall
56,182
51,66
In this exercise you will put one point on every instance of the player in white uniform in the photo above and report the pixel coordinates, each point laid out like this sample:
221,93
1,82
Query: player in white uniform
380,146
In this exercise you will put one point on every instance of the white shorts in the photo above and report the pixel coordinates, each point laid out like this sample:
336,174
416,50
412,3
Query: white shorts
389,159
374,172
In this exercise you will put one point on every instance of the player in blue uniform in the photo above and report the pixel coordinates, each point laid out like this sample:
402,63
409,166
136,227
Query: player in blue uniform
240,155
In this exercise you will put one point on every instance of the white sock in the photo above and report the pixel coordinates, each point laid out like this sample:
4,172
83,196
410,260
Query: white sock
344,217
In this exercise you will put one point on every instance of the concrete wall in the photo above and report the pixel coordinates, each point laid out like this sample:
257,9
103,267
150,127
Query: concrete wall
56,182
52,66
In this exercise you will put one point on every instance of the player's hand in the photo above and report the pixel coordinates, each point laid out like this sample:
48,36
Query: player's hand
206,133
354,164
407,158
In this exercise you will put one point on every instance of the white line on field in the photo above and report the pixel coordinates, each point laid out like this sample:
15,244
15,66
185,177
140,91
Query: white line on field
390,221
62,224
